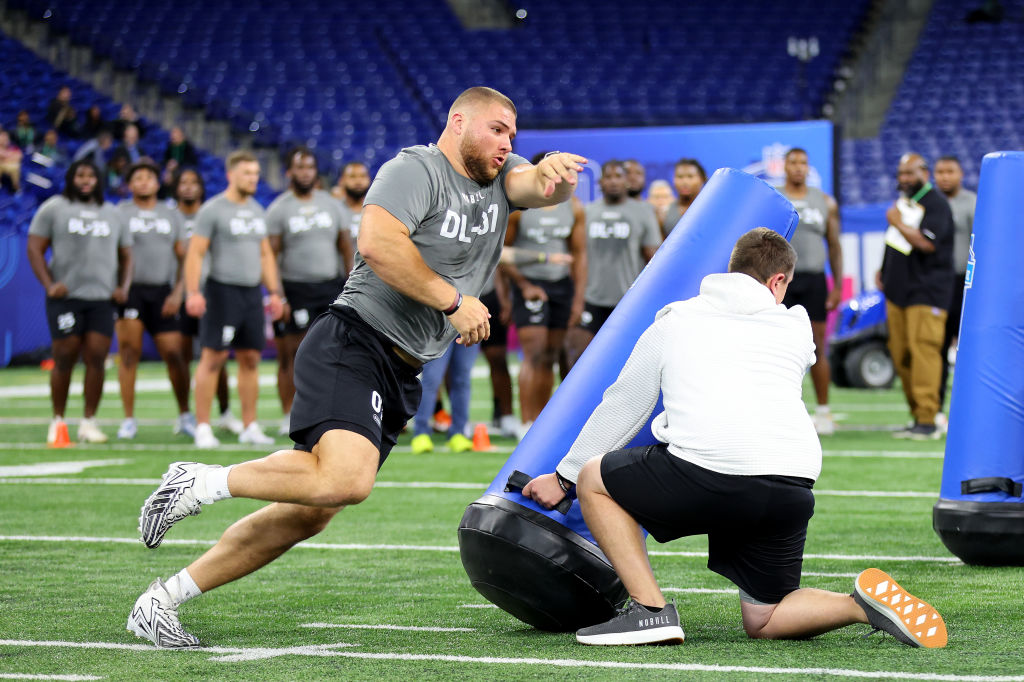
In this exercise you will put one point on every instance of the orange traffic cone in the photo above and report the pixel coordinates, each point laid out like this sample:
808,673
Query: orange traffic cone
481,439
62,440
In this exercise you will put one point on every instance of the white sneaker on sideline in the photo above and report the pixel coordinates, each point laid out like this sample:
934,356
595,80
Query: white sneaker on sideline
286,425
51,431
824,425
942,422
88,432
254,435
509,426
129,429
230,422
523,428
185,425
154,617
204,438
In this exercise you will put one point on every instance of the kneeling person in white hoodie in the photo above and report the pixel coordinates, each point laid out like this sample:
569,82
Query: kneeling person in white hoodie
736,460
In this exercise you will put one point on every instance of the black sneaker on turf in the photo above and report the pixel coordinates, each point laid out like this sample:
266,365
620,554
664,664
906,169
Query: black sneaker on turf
173,500
155,617
635,624
892,609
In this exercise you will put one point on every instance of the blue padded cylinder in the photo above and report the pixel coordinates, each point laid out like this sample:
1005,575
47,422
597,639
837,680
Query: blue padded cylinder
543,566
980,513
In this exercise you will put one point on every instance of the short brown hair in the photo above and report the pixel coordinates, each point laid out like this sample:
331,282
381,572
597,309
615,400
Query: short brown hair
762,253
240,156
479,94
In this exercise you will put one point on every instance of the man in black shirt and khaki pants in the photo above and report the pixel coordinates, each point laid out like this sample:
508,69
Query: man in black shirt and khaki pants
916,277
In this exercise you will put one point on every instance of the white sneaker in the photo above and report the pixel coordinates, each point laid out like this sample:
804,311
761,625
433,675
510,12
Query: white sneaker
88,432
174,499
509,426
523,428
185,424
254,435
230,422
286,425
128,429
204,438
51,431
824,425
942,422
154,617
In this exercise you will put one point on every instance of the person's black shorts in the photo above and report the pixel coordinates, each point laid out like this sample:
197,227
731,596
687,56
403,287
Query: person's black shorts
308,301
234,317
348,376
594,317
756,525
499,331
809,289
553,313
189,324
146,303
75,316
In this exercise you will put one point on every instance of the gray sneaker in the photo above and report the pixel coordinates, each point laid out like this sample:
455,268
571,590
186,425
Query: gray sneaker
635,624
154,617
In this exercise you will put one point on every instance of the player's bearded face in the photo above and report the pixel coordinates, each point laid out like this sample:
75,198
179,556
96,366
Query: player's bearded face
476,159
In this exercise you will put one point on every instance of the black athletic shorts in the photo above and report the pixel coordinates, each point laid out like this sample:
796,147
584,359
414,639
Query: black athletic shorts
756,525
146,303
308,301
76,316
189,324
348,376
234,317
809,289
499,331
594,317
553,313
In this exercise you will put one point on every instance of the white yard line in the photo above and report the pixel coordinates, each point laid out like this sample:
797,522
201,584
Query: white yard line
402,628
47,468
699,590
227,654
27,676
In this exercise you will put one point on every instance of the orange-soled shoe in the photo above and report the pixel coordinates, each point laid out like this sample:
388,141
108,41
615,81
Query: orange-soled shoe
892,609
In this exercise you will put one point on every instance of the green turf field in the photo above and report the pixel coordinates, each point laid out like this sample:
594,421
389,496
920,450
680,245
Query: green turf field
71,567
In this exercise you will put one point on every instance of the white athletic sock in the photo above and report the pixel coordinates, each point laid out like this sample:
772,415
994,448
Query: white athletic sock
181,587
213,485
822,409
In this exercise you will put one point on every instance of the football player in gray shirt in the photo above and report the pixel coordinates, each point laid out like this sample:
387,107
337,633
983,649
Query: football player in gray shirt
309,231
155,298
622,236
353,184
431,236
232,227
89,271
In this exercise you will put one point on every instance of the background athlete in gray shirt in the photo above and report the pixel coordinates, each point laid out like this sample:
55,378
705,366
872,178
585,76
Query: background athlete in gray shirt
154,300
232,227
622,236
815,239
309,231
90,269
431,235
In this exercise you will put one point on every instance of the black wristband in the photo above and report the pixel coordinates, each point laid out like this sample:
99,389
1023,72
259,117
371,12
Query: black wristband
564,483
454,306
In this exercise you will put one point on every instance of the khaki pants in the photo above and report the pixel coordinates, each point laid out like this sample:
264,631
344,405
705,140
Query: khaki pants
915,343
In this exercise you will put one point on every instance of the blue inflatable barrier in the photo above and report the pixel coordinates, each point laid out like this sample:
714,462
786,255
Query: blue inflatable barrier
980,513
543,566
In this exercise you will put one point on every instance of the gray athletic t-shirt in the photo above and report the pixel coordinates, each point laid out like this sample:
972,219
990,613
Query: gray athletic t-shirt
962,206
235,232
84,239
309,235
154,231
458,227
809,237
545,230
672,215
616,234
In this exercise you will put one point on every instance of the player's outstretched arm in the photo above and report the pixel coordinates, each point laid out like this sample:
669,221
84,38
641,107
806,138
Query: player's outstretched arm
550,182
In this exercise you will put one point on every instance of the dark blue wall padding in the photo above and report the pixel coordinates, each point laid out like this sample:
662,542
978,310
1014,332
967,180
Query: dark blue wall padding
980,514
730,204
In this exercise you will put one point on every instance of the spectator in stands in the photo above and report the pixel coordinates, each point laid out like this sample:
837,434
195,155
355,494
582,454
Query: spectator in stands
90,270
127,117
52,149
179,152
24,134
130,143
949,177
689,178
117,167
96,151
816,234
917,279
622,236
61,115
93,123
636,178
353,184
660,196
10,162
